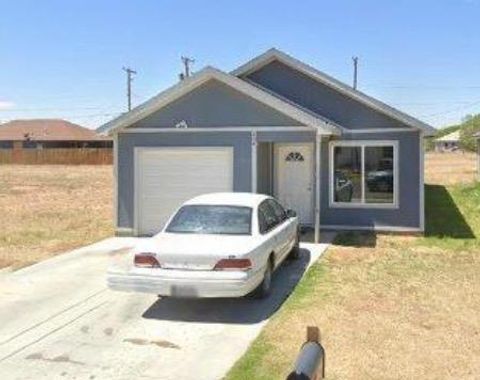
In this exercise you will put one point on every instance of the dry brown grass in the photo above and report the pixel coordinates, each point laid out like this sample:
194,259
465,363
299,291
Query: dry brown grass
386,312
47,210
389,307
450,168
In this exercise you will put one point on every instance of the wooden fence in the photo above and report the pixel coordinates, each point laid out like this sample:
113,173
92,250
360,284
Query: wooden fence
57,156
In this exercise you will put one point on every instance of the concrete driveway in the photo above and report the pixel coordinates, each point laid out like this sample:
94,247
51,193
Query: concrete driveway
59,321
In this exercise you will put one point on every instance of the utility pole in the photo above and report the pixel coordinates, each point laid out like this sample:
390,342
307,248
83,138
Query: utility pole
355,72
186,62
129,72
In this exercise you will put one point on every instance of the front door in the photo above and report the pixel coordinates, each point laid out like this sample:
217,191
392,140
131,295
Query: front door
294,179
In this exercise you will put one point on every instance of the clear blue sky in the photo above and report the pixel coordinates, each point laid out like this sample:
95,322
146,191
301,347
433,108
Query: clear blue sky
64,58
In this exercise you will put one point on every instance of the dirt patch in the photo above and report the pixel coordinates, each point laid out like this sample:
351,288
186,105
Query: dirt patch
450,168
57,359
159,343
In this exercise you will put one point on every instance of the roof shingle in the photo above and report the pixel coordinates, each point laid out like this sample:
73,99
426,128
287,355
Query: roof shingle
46,130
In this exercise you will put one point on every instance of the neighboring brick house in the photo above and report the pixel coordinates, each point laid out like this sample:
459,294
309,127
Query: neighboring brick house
49,133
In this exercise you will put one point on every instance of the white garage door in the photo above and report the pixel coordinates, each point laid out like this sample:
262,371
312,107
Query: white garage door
167,177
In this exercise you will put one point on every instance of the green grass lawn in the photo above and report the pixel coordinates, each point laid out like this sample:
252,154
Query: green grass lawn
389,307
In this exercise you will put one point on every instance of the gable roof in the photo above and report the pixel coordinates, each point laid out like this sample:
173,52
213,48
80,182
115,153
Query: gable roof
323,125
46,130
275,54
477,135
454,136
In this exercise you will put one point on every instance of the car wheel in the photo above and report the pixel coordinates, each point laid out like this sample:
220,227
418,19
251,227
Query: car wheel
295,252
263,290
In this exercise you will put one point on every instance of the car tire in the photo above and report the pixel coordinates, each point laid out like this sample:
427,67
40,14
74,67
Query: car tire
263,290
295,252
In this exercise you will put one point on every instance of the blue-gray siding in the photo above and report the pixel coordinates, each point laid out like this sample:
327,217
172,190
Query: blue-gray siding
320,98
215,104
407,215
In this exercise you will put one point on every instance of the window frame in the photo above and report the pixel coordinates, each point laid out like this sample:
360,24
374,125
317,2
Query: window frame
362,144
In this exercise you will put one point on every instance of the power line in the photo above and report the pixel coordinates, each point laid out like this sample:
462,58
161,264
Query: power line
453,109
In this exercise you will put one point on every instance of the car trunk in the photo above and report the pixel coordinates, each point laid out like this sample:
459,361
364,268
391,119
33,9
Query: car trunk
196,251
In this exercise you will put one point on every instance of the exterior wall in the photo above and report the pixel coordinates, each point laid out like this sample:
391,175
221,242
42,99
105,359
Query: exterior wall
241,142
320,98
215,104
264,166
407,214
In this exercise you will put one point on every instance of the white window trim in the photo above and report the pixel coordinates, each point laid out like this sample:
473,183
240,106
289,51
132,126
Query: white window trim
362,144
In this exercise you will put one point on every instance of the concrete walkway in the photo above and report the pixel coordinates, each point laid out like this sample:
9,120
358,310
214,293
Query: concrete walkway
59,321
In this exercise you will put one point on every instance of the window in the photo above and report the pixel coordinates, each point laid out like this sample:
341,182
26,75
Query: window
212,219
364,174
267,218
279,211
262,221
294,156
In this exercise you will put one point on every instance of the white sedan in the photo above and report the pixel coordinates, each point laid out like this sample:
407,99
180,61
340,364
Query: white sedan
215,245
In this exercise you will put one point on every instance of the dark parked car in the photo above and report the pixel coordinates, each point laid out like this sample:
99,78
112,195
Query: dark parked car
381,180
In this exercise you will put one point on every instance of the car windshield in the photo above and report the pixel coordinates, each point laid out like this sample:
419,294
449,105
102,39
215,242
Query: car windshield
212,219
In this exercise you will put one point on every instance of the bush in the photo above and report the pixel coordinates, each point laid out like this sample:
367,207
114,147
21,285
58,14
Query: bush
468,128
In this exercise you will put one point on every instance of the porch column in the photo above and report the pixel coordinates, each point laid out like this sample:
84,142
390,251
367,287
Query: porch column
318,151
254,161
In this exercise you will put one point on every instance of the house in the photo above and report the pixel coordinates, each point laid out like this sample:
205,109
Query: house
343,160
49,133
448,143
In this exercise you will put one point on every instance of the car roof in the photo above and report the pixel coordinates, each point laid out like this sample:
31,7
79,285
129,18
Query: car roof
234,199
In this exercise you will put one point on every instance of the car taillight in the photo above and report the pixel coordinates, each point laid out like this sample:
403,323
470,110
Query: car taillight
146,260
233,264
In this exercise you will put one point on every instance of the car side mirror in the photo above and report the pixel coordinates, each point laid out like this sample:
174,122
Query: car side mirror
291,213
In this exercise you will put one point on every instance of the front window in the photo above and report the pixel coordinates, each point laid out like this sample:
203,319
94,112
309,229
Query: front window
363,173
212,219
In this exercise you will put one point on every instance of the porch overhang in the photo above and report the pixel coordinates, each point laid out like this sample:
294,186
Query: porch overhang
307,135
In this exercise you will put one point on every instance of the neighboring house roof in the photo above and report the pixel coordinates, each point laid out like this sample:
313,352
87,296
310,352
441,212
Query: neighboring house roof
451,137
324,125
477,135
275,54
46,130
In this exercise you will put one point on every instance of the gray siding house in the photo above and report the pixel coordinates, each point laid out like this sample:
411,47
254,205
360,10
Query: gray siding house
341,159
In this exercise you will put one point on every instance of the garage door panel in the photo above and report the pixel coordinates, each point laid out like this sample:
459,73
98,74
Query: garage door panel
167,177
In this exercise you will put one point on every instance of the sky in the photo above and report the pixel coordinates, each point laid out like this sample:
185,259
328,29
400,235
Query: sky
64,59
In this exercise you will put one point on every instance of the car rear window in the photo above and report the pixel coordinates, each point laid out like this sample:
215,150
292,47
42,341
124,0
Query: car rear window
212,219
